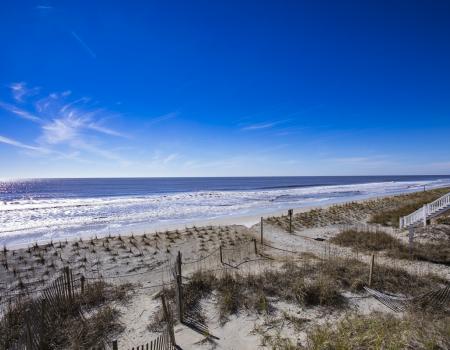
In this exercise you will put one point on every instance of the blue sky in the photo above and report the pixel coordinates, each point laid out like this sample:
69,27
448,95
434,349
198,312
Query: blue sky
209,88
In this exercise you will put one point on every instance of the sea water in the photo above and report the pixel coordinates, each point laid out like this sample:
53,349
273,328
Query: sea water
53,209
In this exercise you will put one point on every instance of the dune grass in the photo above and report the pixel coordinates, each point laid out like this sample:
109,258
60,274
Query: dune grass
365,240
381,331
255,292
380,241
411,203
320,283
65,327
385,211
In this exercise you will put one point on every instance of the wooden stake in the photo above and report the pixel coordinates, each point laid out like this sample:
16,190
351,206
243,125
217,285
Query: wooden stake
179,289
82,283
256,248
372,262
115,345
69,287
179,263
168,319
290,212
262,231
220,251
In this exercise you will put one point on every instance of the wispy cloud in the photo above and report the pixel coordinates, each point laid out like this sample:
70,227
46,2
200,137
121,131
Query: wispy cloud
39,150
15,143
103,129
83,45
170,158
162,118
20,91
264,125
67,128
71,126
19,112
161,158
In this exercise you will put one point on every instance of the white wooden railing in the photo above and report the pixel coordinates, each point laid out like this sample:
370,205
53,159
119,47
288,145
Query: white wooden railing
426,212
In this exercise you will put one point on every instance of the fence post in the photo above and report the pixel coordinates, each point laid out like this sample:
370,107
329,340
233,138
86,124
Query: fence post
425,215
410,239
82,279
114,345
179,289
220,251
29,338
256,248
69,284
290,212
262,231
168,319
179,263
372,262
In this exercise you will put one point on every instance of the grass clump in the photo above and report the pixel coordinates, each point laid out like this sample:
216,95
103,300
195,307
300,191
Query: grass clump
381,241
365,241
382,331
256,292
84,321
321,283
435,253
84,334
352,275
445,220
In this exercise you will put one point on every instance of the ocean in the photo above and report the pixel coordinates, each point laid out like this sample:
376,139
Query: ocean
54,209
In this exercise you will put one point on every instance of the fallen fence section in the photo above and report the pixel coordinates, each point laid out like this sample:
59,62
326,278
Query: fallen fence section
163,342
436,298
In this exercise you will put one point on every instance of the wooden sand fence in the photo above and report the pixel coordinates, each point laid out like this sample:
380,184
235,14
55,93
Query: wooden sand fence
39,313
162,342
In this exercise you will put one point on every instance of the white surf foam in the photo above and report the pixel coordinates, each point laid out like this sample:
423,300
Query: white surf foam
27,220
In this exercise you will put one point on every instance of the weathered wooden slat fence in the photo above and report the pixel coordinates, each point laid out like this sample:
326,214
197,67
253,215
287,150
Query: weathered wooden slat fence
39,313
162,342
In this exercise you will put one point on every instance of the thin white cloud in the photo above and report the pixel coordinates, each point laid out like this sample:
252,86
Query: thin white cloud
40,151
83,45
265,125
72,127
159,158
70,104
259,126
162,118
15,143
60,130
99,151
170,158
20,112
20,91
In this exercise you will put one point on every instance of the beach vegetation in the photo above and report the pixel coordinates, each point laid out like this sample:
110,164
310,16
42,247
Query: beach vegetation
372,241
382,331
319,284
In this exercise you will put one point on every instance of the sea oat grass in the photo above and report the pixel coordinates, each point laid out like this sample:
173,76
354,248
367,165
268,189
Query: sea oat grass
380,241
383,331
365,241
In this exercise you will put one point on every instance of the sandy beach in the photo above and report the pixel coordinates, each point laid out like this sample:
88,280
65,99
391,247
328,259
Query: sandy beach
223,246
